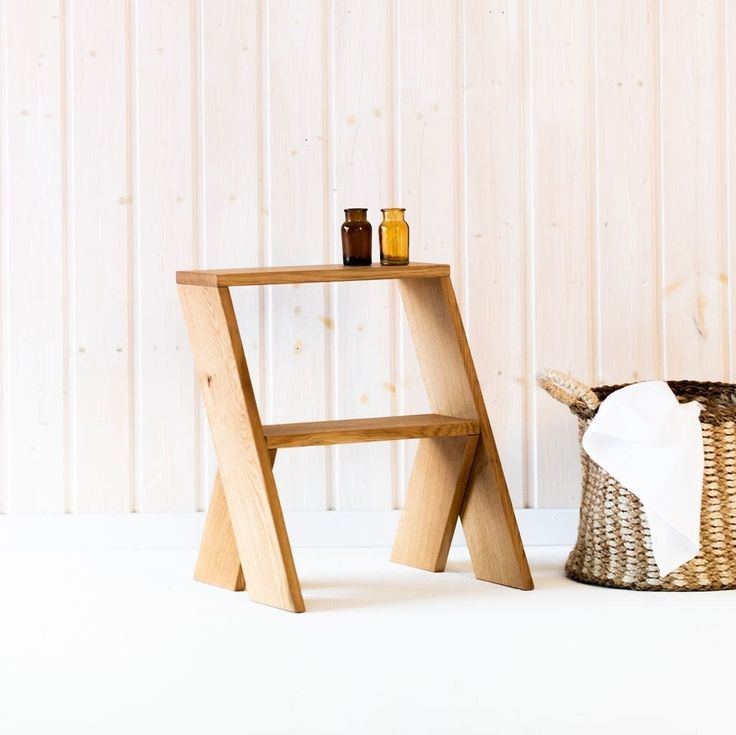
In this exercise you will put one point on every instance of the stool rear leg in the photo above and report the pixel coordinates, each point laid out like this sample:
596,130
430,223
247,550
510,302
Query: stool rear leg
218,562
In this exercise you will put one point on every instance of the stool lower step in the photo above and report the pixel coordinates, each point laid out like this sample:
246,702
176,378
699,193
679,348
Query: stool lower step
353,431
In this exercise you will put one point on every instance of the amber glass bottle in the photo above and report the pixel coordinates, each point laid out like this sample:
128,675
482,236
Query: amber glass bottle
357,238
393,235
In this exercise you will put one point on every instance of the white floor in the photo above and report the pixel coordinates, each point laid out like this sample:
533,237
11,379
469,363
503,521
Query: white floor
124,642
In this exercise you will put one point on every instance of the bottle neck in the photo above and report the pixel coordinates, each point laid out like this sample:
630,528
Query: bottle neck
356,215
393,215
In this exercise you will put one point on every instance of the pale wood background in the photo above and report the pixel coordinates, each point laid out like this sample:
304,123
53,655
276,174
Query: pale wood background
573,161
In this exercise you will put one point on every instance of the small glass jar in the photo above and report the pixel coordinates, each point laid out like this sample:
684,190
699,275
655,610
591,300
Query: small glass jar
393,234
357,238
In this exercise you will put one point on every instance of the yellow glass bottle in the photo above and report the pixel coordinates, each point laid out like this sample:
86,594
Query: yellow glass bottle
393,235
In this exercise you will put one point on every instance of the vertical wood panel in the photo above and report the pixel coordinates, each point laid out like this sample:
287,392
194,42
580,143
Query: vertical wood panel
4,260
167,446
522,137
298,203
99,160
37,288
693,180
563,196
231,135
429,101
363,372
628,194
495,262
730,60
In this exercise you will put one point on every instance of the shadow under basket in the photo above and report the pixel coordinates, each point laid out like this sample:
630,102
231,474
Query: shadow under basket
614,546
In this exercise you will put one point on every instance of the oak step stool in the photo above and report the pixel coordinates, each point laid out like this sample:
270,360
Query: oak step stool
457,471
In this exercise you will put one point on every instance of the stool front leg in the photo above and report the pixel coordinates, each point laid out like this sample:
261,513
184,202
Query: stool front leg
249,488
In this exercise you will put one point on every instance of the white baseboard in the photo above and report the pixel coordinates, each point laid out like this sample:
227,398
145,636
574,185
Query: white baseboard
138,531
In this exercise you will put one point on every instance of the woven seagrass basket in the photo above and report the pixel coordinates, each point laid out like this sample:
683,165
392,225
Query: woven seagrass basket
614,546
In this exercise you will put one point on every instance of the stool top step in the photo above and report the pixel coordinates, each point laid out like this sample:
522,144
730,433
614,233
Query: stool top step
309,274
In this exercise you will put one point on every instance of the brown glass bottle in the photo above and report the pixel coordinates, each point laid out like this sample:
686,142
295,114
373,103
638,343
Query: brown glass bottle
393,234
357,238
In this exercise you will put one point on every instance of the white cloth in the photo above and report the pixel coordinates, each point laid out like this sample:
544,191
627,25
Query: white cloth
653,446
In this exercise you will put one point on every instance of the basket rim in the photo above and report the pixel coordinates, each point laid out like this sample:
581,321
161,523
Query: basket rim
717,399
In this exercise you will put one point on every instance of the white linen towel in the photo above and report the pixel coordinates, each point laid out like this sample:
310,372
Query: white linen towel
653,446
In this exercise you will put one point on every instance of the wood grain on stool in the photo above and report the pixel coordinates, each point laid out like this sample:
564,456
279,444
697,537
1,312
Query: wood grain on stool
488,519
433,500
308,274
355,431
457,470
242,456
218,562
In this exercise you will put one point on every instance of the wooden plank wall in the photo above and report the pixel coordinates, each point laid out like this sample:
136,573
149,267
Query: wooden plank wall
573,161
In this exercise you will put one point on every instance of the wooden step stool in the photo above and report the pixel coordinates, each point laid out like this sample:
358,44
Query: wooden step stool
457,471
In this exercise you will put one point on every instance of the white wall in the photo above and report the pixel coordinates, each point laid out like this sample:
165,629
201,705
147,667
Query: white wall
573,161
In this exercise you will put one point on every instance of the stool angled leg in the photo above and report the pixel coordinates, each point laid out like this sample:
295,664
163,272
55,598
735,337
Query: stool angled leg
218,562
452,386
244,465
433,501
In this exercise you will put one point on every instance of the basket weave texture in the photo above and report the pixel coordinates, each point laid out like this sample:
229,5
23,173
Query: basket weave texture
614,545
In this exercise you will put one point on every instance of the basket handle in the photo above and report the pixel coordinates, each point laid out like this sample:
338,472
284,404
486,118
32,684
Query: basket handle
567,389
